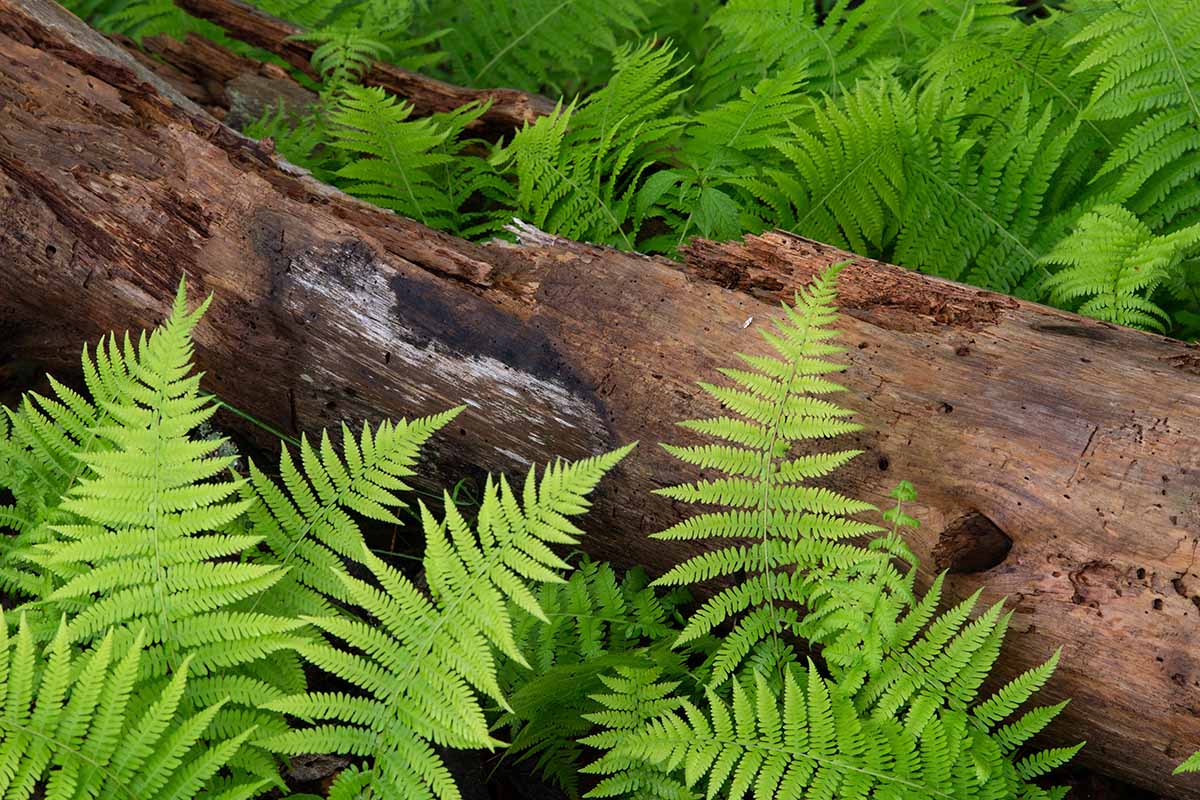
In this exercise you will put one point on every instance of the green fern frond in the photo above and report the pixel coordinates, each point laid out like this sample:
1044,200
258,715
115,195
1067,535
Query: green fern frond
1111,265
422,664
538,43
307,525
579,169
153,511
808,743
714,192
790,528
759,38
845,181
409,166
148,540
635,697
1191,764
857,616
595,623
342,56
1145,55
981,204
69,726
41,446
138,19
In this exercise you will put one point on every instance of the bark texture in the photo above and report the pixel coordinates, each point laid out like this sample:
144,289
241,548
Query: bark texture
232,88
1058,458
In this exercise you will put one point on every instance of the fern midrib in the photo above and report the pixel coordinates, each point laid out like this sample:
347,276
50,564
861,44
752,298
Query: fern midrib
1002,229
55,744
394,153
1179,71
155,510
504,50
770,470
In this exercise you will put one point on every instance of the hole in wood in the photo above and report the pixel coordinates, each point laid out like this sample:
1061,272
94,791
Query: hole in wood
971,543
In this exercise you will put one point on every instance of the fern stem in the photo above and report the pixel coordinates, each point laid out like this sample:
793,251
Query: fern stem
1033,259
770,470
504,50
1179,71
253,420
55,744
160,578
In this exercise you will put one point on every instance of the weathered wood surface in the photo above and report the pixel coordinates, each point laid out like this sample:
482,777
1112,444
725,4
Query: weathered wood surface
232,88
1058,458
508,110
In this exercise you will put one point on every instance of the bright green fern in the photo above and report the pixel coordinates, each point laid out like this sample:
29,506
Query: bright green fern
421,663
807,741
1145,59
1112,264
774,525
71,727
309,528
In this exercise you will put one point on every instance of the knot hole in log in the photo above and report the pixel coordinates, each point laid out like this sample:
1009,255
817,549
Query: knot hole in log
971,543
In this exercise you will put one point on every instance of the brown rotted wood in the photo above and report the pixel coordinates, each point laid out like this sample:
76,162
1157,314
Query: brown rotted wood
234,89
509,108
1058,458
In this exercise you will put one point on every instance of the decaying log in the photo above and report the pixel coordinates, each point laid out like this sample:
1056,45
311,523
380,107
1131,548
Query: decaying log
232,88
1058,458
509,109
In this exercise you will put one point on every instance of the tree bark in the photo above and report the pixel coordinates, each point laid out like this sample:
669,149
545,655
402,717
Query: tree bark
1057,458
233,89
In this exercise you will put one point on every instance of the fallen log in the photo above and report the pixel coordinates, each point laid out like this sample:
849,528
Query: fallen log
1058,458
234,89
508,109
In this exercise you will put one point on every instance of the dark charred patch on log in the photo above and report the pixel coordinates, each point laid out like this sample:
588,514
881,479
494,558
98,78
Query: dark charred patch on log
971,543
473,327
350,262
266,237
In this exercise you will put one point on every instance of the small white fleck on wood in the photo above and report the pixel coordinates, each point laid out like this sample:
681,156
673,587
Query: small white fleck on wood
746,324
